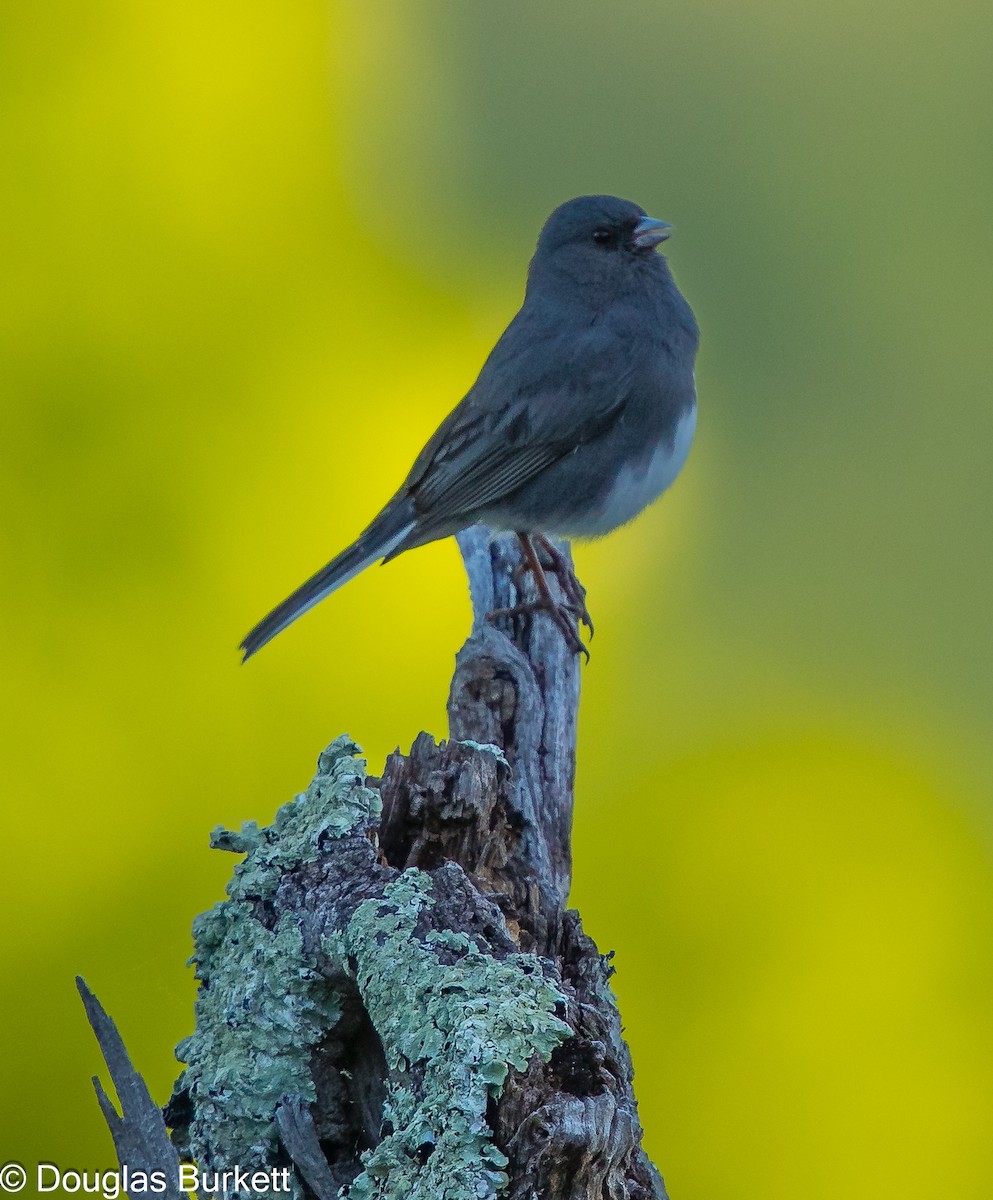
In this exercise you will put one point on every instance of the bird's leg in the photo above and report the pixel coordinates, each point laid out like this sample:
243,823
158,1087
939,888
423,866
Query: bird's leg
546,602
574,590
575,593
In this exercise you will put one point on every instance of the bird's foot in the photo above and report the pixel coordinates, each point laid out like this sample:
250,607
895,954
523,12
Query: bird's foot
561,614
575,593
562,569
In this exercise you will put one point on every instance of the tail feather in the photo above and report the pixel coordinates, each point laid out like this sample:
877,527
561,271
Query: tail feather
381,539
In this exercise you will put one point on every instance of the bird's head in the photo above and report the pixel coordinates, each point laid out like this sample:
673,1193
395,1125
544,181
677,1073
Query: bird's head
598,242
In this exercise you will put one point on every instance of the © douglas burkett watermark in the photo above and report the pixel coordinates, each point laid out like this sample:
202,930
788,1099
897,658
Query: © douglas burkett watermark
240,1181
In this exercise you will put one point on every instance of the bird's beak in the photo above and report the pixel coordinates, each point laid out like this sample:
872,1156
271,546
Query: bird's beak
649,232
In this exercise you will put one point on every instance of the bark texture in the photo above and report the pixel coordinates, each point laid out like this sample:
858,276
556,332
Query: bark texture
139,1133
394,998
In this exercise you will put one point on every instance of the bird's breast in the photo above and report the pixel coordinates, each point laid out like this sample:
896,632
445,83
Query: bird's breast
637,483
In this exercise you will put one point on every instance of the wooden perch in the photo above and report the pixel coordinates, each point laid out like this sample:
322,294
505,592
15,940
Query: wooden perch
139,1133
394,998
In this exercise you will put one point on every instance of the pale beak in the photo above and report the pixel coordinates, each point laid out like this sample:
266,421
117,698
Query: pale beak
649,232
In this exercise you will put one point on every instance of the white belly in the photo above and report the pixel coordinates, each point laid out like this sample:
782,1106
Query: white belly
637,486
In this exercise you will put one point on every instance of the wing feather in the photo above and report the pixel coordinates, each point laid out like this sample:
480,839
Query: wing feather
517,421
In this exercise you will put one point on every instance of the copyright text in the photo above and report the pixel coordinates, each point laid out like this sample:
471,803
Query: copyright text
110,1185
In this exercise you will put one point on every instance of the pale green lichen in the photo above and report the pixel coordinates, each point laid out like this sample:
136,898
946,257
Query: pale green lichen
262,1006
453,1019
336,802
256,1024
485,748
463,1021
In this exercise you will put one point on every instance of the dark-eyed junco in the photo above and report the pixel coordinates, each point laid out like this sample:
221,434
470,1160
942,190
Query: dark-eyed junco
582,415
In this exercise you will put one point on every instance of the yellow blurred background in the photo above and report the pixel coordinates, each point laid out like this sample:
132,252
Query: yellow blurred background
250,255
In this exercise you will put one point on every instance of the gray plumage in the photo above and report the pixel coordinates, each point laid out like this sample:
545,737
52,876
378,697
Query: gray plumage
582,413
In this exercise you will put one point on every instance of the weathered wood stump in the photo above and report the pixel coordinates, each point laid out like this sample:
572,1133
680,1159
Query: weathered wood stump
394,999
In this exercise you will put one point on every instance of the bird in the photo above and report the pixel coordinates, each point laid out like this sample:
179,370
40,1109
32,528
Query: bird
581,416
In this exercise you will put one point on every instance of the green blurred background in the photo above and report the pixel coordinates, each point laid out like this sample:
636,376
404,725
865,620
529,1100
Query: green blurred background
251,255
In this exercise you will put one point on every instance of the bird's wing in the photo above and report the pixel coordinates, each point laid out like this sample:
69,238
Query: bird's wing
530,407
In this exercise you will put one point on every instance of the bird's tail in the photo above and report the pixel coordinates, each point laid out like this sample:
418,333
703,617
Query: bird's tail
383,537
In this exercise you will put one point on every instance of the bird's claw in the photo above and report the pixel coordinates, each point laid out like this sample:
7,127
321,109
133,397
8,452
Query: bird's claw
573,590
560,567
558,614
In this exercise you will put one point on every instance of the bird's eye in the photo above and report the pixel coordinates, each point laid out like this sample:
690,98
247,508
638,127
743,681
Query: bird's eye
602,237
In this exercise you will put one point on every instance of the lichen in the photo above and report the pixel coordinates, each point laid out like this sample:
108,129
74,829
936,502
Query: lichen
336,803
262,1006
462,1018
485,748
453,1019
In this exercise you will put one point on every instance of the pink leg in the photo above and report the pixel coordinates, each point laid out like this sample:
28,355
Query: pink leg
545,601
